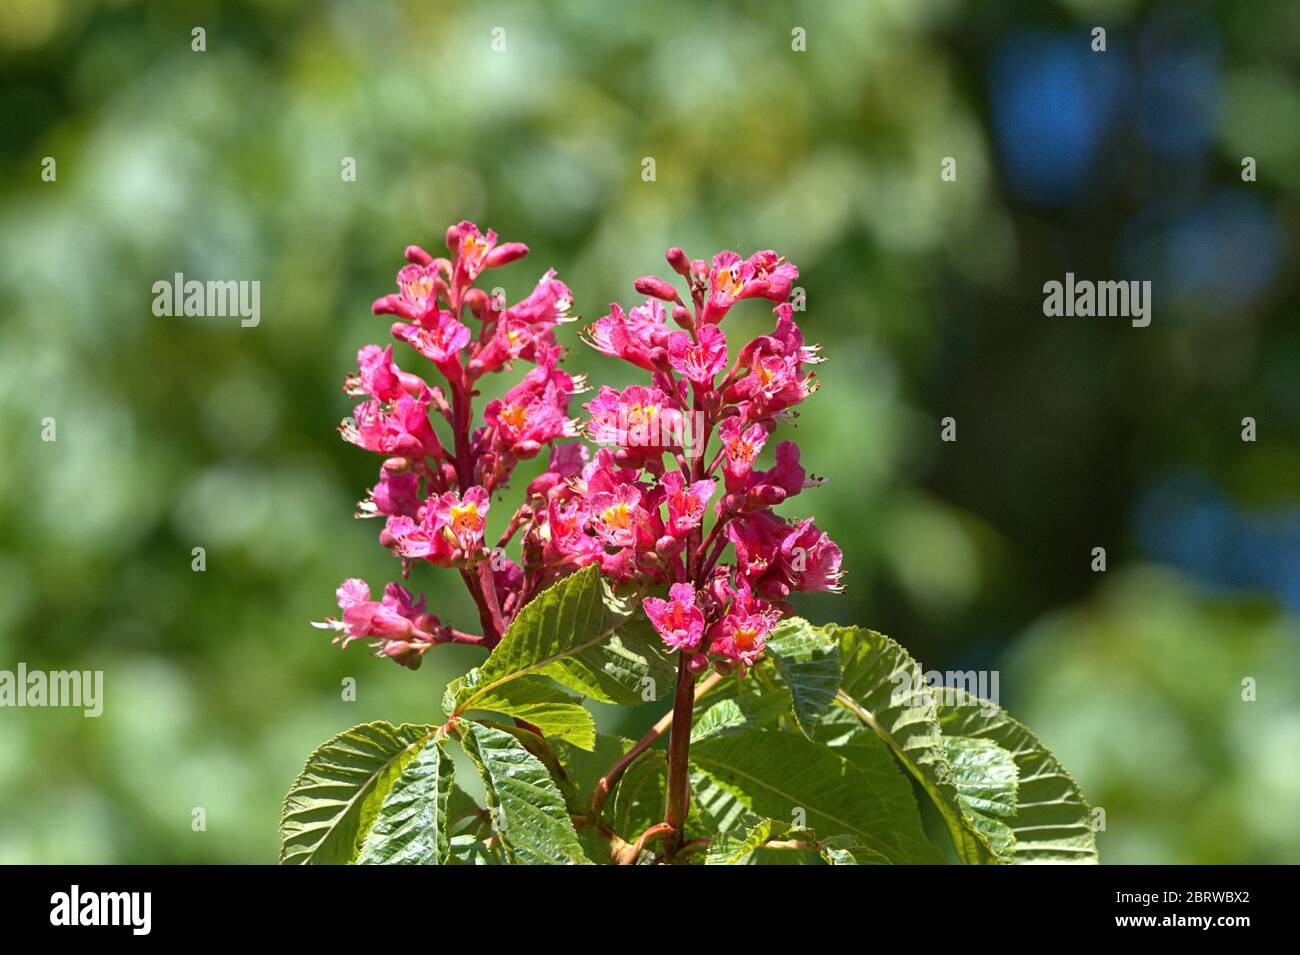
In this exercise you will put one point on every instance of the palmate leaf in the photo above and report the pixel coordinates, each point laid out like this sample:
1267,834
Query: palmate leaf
777,775
584,635
885,689
336,798
534,698
412,825
986,777
808,661
1052,822
530,818
738,713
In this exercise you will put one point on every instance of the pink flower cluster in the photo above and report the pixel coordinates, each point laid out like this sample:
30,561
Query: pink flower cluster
435,492
646,519
640,507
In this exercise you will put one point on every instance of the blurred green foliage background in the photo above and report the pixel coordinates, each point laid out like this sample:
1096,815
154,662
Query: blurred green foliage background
1072,433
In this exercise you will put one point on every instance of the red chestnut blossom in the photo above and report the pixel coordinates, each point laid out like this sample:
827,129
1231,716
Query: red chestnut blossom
649,506
401,628
685,504
677,619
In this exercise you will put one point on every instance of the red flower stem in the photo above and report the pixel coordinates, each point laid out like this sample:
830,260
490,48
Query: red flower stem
605,784
489,588
679,744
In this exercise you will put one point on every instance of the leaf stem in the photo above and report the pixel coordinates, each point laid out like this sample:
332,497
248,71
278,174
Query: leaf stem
630,854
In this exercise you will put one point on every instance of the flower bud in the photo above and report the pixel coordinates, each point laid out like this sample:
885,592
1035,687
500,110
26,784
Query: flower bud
418,256
764,495
667,546
697,662
504,254
453,238
655,287
680,264
476,299
682,316
397,465
717,589
723,667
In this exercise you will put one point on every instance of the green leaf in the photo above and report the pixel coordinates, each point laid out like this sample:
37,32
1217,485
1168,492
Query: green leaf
412,825
736,714
465,845
844,851
537,700
336,798
587,637
638,799
529,814
986,778
468,849
886,690
777,775
728,850
1052,822
754,847
808,661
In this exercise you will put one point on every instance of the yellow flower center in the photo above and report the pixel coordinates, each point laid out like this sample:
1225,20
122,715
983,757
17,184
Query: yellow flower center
471,247
618,516
744,637
515,415
641,414
465,517
419,289
729,282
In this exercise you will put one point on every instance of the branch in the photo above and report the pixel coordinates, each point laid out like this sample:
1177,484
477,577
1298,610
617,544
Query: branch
605,784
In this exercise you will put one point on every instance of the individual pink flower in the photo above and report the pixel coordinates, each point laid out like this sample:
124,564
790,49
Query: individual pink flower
473,249
440,340
757,538
810,560
740,446
677,619
463,518
786,479
396,495
399,625
639,336
771,276
741,636
699,361
420,539
726,284
402,429
547,305
565,540
616,515
567,462
686,505
416,299
637,417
